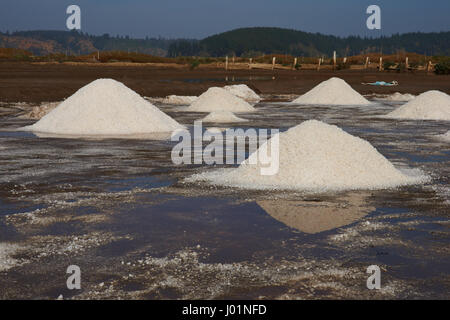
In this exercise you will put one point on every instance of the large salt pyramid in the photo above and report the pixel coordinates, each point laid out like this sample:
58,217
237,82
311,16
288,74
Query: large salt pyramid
219,99
244,92
315,156
333,91
105,107
431,105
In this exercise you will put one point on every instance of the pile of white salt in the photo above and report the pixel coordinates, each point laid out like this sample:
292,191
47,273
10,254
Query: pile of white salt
444,137
431,105
315,157
104,107
179,100
333,91
244,92
219,99
39,111
397,96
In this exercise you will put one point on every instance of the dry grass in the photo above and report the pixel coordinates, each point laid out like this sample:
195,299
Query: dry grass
285,62
14,54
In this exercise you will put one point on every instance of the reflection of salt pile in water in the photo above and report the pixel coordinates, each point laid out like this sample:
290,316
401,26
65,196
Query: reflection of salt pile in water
179,100
244,92
431,105
315,217
333,91
219,99
222,117
315,156
105,107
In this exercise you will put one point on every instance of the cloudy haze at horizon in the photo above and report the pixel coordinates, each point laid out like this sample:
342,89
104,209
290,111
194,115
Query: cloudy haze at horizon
201,18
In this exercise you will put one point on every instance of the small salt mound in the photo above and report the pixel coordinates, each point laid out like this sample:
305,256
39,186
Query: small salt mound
179,100
400,97
244,92
219,99
445,136
105,107
333,91
317,157
222,117
39,111
431,105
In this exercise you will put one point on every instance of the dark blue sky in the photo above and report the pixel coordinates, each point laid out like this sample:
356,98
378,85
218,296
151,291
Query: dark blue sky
200,18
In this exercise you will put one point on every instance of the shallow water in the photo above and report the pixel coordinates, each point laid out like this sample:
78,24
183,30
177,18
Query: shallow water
119,209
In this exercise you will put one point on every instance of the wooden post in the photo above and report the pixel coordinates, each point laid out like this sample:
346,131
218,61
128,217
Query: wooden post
318,67
381,64
334,60
406,63
250,63
367,63
429,66
233,59
273,62
295,64
226,63
98,55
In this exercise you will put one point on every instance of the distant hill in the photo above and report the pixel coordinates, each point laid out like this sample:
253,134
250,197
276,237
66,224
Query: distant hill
256,41
240,42
72,42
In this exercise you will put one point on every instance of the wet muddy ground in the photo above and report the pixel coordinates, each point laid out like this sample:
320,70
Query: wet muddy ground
121,211
28,82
